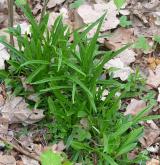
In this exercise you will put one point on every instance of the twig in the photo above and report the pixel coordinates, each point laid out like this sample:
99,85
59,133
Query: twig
10,19
20,149
44,9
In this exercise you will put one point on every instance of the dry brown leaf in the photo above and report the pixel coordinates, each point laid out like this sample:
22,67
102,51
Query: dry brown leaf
150,5
53,15
58,147
120,38
155,148
154,77
153,162
133,154
150,136
100,1
127,57
3,5
111,20
4,123
27,142
19,162
34,97
153,62
90,13
104,94
27,87
53,3
151,133
16,110
37,8
3,20
28,161
2,100
7,160
4,55
135,107
121,71
84,123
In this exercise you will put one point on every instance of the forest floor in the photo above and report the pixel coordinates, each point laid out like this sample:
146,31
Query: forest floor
137,20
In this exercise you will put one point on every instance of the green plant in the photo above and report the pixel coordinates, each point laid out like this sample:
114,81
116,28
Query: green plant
51,158
76,4
124,22
67,77
142,44
119,3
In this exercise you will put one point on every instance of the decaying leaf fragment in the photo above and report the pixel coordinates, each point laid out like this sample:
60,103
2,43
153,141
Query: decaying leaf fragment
4,55
53,3
120,38
28,161
58,147
120,70
127,56
154,77
16,110
153,162
151,133
4,123
7,160
135,107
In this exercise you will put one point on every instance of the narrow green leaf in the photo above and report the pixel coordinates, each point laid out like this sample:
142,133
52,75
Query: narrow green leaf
90,96
119,3
133,136
80,146
141,114
71,65
76,4
35,73
12,49
73,92
55,88
59,60
59,78
3,74
126,149
105,142
122,129
35,62
109,160
151,117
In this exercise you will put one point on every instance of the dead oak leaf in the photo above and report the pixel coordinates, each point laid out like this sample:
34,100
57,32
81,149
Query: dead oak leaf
120,38
127,56
135,107
90,13
151,133
16,110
